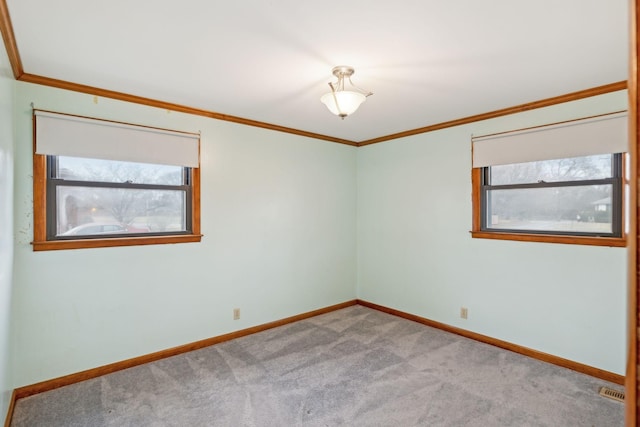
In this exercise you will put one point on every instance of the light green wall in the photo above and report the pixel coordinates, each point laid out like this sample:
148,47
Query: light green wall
6,226
279,225
415,252
282,215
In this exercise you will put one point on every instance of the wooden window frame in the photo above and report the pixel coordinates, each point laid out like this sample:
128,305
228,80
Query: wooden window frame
40,242
478,232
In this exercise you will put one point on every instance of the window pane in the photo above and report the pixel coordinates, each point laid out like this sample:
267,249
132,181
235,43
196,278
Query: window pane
581,209
99,211
573,169
79,169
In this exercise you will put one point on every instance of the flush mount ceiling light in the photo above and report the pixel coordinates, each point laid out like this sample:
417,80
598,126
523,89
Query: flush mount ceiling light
343,102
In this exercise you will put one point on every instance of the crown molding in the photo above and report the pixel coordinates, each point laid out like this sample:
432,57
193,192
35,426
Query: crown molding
6,28
600,90
62,84
105,93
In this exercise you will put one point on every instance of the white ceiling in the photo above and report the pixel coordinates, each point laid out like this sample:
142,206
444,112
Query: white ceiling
427,61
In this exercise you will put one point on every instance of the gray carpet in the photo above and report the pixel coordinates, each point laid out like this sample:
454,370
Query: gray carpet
352,367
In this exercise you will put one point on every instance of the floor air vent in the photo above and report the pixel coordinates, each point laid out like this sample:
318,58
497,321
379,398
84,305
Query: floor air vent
612,394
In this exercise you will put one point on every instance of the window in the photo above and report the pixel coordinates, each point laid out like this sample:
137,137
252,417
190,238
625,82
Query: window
577,196
100,183
89,198
571,190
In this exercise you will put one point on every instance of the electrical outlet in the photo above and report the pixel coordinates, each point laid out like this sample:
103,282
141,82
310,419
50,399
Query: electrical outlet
464,312
236,313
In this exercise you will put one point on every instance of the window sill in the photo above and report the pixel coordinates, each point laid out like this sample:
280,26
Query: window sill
570,240
54,245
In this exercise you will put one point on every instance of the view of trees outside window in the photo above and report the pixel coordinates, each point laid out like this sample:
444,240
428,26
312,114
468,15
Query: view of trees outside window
128,198
534,205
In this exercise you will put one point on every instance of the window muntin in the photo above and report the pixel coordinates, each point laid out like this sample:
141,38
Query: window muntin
89,198
575,197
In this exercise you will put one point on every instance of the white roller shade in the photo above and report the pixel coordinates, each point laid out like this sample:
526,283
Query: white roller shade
604,134
66,135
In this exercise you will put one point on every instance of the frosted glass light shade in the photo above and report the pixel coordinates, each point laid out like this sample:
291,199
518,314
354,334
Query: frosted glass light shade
348,102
